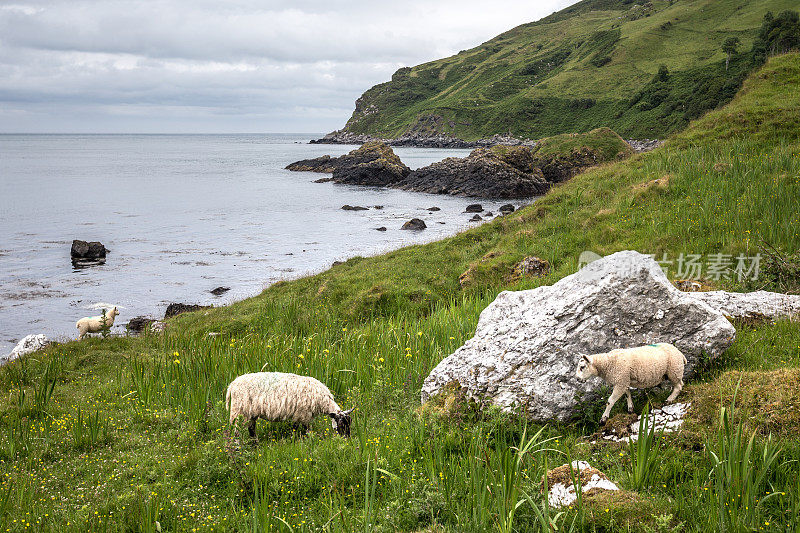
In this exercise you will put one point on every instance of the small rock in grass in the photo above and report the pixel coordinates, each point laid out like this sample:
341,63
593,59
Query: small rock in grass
561,489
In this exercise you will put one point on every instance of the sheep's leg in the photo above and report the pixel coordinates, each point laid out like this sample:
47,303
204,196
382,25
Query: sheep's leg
630,400
251,428
616,394
676,389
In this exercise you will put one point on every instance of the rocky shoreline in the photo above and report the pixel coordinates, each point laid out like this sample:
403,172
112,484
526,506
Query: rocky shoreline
418,140
422,141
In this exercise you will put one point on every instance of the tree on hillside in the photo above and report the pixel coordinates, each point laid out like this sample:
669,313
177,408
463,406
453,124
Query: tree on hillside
777,35
729,47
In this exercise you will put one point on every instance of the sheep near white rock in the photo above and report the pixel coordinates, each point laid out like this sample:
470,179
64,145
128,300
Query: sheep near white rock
276,396
640,367
95,324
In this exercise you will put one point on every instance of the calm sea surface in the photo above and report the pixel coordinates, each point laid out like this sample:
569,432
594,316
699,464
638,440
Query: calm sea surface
181,215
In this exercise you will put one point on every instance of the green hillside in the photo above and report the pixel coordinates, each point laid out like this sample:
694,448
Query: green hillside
593,64
130,434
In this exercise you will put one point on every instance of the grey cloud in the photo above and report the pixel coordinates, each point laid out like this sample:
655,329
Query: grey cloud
103,66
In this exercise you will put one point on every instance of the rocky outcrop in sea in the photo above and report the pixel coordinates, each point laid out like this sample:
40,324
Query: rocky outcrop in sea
374,163
497,172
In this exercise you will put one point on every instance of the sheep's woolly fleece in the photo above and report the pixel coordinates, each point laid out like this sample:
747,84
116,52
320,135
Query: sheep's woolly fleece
278,396
561,492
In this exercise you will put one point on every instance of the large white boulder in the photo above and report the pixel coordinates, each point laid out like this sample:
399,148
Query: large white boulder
758,304
526,347
29,344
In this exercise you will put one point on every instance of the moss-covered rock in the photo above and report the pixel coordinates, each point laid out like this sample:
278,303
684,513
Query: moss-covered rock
563,156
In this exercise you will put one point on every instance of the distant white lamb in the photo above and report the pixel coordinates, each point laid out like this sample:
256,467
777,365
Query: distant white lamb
641,367
95,324
278,396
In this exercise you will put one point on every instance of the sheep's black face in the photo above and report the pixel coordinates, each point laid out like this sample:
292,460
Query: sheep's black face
585,369
341,422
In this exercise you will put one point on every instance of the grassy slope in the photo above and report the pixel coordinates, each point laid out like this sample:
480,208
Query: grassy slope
543,78
372,328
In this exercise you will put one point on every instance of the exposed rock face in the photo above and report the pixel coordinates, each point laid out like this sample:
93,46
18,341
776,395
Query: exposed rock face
476,218
497,172
530,267
139,323
644,145
758,304
415,224
560,167
29,344
474,208
178,308
374,163
348,207
526,347
561,488
83,252
507,208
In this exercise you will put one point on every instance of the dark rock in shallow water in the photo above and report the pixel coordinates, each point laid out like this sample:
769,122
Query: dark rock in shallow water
476,218
382,228
488,214
220,290
507,208
434,208
178,308
474,208
374,163
348,207
139,323
497,172
82,250
414,224
323,180
377,207
325,163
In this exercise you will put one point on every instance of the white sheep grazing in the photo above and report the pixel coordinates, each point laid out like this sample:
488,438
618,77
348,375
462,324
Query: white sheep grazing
641,367
278,396
95,324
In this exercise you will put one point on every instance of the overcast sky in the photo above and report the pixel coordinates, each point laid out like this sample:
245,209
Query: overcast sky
224,65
